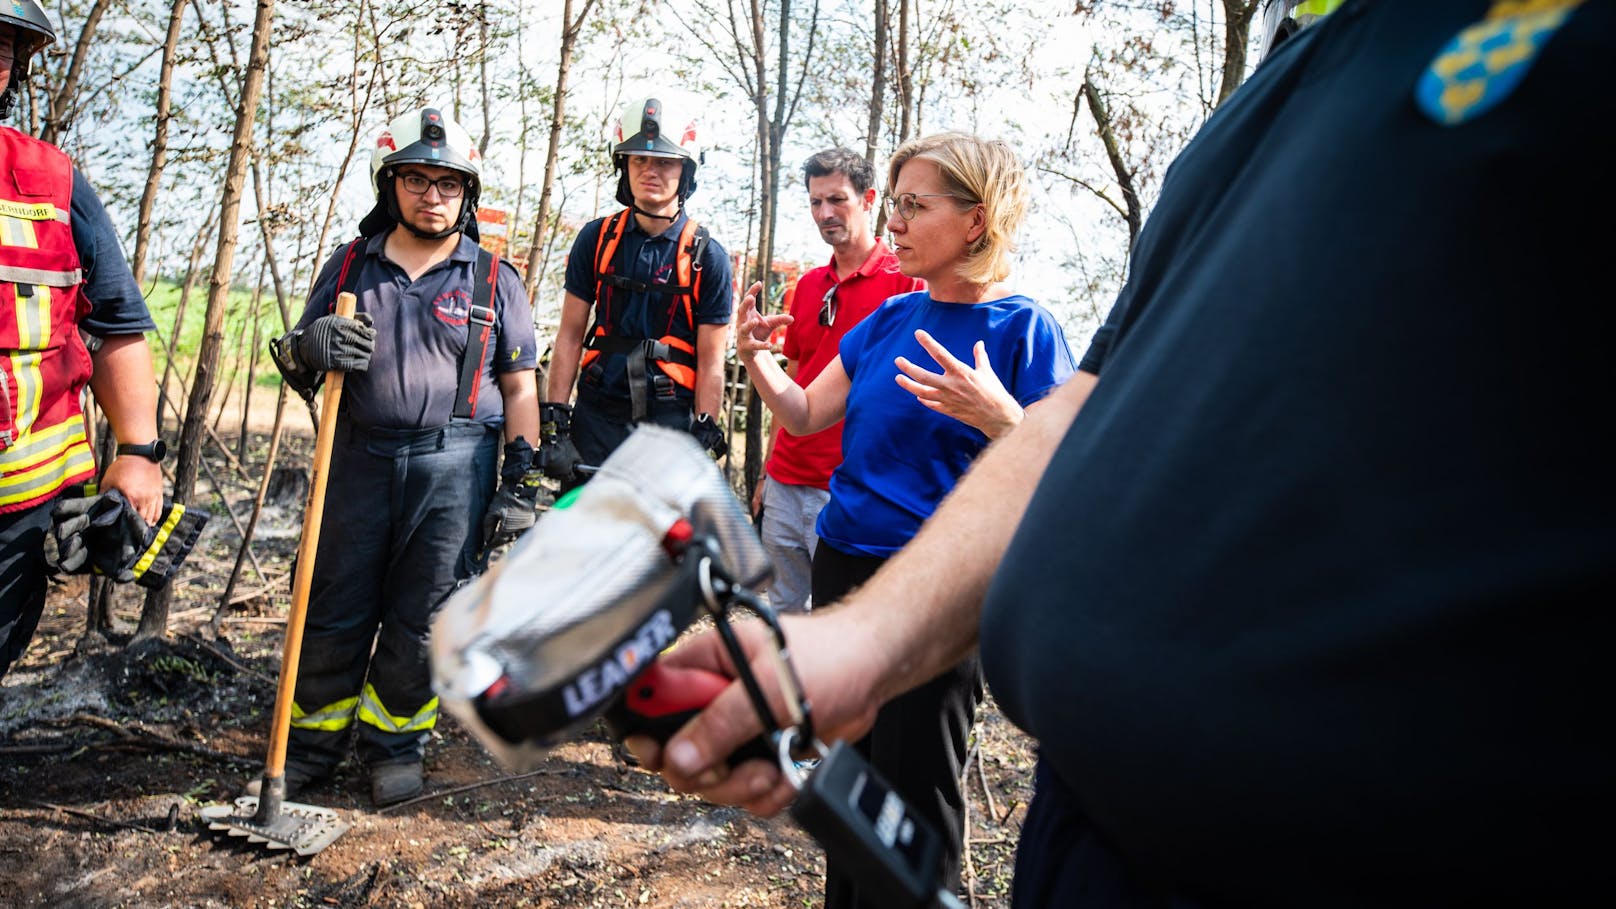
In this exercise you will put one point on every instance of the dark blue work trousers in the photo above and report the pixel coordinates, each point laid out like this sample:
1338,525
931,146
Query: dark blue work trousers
402,528
600,423
22,578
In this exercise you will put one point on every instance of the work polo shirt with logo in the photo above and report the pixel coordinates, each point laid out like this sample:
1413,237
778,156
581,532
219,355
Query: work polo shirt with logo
420,334
809,460
653,259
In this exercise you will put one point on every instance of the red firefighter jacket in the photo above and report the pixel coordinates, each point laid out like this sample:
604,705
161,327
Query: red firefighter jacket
43,361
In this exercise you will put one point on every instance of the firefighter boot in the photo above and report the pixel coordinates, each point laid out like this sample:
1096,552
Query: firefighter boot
299,776
394,783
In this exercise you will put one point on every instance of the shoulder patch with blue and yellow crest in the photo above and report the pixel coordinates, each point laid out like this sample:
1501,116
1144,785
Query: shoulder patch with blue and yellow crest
1483,64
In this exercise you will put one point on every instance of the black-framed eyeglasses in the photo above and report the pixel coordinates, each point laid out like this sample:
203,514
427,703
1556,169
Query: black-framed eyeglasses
827,307
903,204
416,185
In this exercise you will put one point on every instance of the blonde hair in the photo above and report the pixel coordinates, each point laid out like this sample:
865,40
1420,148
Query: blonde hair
979,171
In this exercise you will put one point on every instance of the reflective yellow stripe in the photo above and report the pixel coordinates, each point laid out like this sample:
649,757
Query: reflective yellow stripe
73,460
32,211
373,713
33,336
164,529
330,718
40,445
1315,8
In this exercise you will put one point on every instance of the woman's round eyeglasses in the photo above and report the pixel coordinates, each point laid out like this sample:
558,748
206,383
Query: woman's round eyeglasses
903,204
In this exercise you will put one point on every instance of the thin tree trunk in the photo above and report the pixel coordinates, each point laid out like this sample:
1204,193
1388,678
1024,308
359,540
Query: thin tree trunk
763,272
482,75
243,436
878,80
906,77
60,118
1236,35
154,618
1133,213
154,174
193,271
236,353
570,28
257,511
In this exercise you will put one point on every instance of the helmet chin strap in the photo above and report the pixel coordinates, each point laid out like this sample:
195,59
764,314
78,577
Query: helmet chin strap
434,235
398,218
673,217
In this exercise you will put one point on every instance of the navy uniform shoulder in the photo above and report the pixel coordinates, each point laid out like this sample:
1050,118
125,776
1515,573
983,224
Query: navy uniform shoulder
714,253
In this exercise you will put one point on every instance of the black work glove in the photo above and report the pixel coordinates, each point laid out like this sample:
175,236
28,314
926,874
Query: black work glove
710,435
336,342
105,534
101,532
515,506
558,457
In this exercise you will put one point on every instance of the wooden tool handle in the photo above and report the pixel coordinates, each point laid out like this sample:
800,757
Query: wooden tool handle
323,442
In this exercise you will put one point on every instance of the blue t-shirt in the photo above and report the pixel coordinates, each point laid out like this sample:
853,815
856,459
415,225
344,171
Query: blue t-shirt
116,304
421,333
899,457
635,314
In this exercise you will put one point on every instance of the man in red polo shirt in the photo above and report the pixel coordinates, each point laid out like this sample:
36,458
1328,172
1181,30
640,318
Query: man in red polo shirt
828,301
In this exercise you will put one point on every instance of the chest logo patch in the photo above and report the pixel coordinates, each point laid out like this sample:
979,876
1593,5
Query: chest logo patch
1484,64
452,307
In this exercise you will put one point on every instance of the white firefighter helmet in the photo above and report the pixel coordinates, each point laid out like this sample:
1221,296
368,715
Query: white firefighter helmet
423,136
657,127
34,33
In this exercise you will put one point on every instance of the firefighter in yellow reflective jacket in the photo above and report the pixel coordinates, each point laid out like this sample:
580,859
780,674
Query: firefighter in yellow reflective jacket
70,314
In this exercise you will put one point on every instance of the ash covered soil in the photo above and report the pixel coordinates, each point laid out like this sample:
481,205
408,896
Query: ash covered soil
108,751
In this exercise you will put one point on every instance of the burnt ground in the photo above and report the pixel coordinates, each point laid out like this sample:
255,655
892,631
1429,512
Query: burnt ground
108,751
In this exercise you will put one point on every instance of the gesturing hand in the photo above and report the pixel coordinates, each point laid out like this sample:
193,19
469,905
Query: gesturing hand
974,396
755,328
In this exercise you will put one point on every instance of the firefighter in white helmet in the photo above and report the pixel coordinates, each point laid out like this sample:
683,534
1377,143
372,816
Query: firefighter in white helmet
440,361
647,308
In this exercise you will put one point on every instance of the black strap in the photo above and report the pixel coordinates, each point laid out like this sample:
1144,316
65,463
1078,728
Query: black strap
698,246
481,328
629,284
640,354
654,350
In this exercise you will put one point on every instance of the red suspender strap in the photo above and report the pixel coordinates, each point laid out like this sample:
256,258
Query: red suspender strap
480,321
343,281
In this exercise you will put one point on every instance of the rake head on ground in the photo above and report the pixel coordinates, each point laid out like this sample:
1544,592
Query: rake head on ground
304,829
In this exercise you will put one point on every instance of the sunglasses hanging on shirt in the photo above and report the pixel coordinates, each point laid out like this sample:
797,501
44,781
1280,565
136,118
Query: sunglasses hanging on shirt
827,307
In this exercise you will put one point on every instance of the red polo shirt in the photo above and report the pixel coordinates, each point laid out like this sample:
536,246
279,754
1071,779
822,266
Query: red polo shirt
809,460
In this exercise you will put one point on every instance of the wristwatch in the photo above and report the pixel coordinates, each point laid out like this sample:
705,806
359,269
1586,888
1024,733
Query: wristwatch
153,451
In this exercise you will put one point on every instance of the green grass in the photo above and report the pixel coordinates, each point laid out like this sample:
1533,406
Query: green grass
163,299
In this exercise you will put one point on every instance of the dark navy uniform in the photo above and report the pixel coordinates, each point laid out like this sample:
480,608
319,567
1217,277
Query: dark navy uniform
408,488
1313,604
603,416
